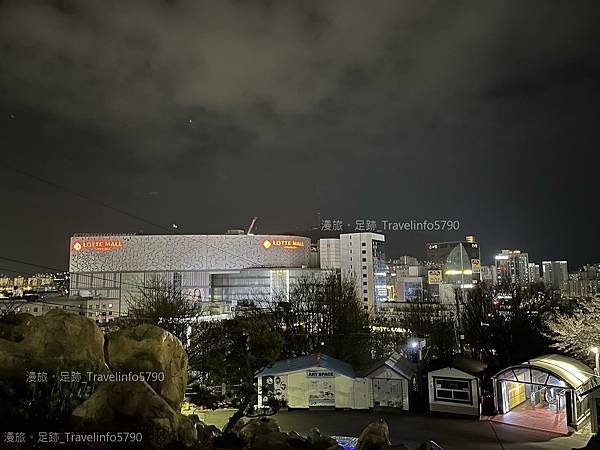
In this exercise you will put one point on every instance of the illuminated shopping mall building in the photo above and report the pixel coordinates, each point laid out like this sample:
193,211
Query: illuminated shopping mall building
217,269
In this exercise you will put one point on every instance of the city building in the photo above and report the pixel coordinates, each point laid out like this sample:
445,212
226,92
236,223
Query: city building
115,268
99,310
329,254
554,274
363,258
578,288
513,267
489,275
583,283
37,283
455,262
257,285
534,272
398,268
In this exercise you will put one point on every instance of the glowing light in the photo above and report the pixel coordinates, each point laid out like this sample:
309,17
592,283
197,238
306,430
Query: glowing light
459,272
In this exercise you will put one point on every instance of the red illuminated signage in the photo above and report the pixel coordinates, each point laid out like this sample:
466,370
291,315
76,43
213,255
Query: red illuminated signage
101,245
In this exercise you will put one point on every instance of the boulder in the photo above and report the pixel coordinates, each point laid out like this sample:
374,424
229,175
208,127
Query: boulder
241,423
272,441
148,348
319,441
374,436
134,406
394,447
206,433
256,427
57,341
297,441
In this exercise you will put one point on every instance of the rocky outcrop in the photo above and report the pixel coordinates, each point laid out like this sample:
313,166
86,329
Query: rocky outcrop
148,348
248,430
319,441
264,434
375,436
272,441
135,406
58,340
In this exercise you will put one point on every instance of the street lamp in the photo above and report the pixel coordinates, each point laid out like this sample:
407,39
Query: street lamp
596,351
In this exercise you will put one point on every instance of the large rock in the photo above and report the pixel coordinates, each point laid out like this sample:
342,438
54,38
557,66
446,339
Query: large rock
319,441
134,406
297,441
148,348
57,341
206,433
272,441
375,436
256,427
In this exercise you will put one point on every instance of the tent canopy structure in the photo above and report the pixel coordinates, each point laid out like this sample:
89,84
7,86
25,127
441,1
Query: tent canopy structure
552,370
306,362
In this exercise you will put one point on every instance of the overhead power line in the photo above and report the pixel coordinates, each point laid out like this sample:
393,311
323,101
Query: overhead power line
104,204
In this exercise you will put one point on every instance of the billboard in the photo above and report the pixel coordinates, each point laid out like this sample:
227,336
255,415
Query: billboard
434,276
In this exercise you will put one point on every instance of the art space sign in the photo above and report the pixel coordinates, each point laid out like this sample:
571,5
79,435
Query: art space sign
321,387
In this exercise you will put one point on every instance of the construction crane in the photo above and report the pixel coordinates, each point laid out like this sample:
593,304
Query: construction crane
251,227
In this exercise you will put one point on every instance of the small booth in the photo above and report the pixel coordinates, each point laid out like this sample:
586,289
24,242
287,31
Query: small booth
392,381
595,410
454,391
550,393
314,381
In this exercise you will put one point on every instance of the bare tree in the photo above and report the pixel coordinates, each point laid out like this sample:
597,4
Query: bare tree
162,304
322,314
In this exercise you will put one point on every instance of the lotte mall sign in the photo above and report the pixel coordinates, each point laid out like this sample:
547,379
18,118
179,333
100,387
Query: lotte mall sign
101,245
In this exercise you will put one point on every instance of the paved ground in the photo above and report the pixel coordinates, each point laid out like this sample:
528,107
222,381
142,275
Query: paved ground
412,430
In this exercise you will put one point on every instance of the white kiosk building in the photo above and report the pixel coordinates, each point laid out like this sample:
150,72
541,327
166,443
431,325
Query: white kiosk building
314,381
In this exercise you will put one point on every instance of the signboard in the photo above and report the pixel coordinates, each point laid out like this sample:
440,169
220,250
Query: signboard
321,387
101,245
283,243
434,276
475,265
274,387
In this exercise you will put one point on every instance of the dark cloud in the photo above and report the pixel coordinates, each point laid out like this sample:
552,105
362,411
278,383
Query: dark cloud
480,111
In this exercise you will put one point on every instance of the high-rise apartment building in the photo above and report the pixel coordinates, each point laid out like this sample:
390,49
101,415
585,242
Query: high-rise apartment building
554,273
534,272
489,275
329,254
362,257
513,267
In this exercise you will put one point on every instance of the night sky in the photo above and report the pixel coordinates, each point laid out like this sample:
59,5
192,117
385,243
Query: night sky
206,114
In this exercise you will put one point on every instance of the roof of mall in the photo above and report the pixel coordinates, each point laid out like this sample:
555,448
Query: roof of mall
306,362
